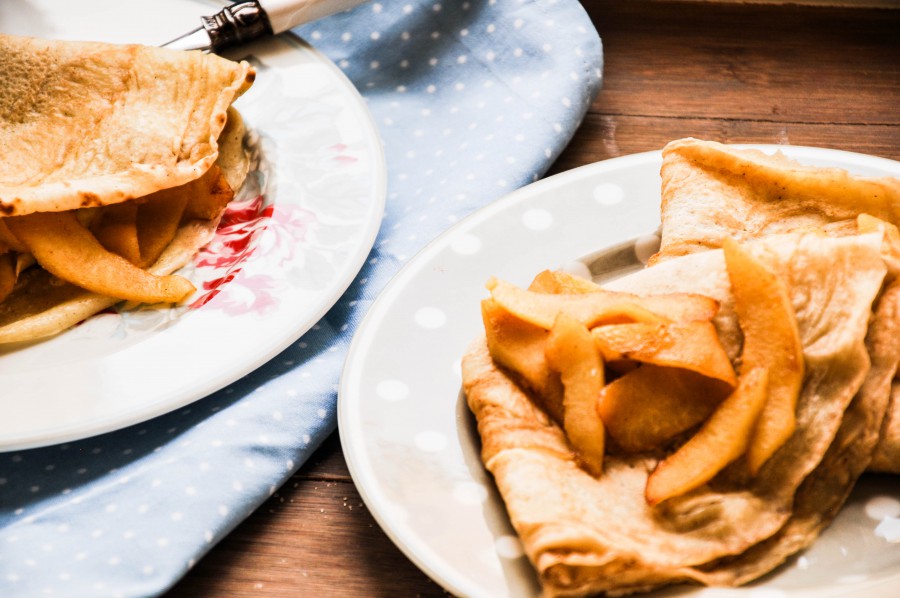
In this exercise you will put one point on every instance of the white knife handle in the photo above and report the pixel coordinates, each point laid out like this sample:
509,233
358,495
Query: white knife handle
287,14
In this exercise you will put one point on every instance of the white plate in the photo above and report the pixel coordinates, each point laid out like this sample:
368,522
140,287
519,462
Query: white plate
276,270
410,440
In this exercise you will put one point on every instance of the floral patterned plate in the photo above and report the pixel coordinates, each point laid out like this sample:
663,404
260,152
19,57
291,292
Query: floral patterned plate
287,248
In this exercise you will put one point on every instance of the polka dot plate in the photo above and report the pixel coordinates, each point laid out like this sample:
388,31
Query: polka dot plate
287,249
411,443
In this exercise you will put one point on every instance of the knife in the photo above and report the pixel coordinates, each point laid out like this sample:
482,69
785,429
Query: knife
245,21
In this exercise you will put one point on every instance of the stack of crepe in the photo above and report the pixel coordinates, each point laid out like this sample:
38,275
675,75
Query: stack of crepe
118,162
589,533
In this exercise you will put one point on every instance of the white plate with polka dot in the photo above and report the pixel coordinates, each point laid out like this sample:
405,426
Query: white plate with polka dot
288,247
411,442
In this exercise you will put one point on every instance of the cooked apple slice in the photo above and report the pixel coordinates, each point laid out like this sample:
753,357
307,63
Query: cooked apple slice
771,342
158,224
7,274
723,438
890,234
600,307
650,405
544,282
866,223
115,227
693,346
9,240
591,309
571,352
206,197
557,282
69,251
519,347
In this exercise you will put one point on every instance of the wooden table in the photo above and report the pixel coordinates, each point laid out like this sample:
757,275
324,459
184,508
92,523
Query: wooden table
733,72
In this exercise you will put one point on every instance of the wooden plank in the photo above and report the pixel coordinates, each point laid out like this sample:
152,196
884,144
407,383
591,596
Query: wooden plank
327,463
603,136
891,4
785,64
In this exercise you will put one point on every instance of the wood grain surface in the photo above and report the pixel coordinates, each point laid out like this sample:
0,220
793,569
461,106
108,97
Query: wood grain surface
732,72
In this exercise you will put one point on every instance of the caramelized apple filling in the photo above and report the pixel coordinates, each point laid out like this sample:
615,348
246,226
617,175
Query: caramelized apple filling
622,373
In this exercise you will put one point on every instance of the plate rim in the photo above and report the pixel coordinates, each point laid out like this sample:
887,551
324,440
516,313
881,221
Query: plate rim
412,545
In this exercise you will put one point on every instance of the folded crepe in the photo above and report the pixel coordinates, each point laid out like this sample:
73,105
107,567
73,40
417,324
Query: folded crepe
711,191
587,534
86,126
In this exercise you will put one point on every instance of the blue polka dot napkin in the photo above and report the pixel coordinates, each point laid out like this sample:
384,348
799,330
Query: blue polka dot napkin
473,99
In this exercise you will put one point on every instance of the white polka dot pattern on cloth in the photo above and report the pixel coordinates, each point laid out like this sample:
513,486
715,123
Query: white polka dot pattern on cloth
472,101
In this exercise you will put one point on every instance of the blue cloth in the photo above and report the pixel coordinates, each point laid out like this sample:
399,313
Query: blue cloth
473,99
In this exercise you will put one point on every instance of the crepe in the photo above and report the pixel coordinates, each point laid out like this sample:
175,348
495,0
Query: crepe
588,534
42,305
887,454
711,191
88,125
821,495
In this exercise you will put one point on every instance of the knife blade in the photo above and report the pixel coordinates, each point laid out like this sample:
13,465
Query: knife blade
242,22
